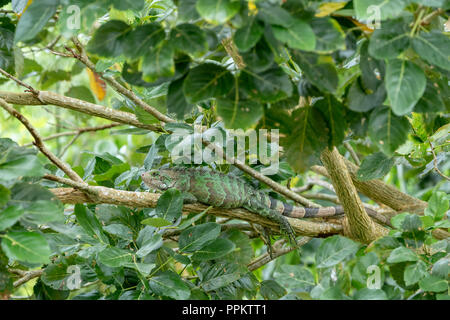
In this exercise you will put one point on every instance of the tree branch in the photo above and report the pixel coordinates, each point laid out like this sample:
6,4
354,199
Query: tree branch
98,194
278,250
357,223
52,98
39,143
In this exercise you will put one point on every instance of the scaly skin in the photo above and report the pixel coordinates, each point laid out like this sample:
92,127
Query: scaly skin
227,191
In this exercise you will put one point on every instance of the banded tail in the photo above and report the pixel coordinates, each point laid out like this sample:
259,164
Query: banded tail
291,211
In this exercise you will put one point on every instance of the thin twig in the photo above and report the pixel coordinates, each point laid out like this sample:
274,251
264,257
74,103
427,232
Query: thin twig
82,57
39,143
77,132
27,276
435,163
21,83
278,250
355,157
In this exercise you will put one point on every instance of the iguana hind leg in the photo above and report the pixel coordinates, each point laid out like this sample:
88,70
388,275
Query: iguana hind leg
273,215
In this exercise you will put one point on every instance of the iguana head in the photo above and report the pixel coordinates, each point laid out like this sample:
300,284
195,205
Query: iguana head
159,179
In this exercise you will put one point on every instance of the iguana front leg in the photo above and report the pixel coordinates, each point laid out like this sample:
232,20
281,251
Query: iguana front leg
189,198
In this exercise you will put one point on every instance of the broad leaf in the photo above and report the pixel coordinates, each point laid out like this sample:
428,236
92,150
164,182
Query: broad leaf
387,130
333,250
208,80
26,246
217,12
247,36
433,47
298,35
34,19
194,238
405,84
110,40
375,166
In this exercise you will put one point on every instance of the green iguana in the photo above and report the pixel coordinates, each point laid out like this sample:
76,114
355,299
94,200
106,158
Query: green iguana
227,191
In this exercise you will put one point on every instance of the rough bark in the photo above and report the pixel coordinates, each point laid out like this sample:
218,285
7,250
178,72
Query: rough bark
357,223
149,200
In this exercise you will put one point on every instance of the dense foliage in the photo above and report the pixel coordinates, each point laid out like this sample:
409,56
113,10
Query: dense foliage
367,76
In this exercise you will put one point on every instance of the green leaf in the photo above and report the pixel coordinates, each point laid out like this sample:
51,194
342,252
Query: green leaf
387,130
110,39
82,93
433,284
214,250
243,253
433,48
135,5
26,246
415,272
438,205
149,244
176,101
120,231
44,211
169,205
5,195
90,223
402,254
370,294
405,84
372,70
329,35
298,35
271,290
259,58
295,277
115,257
248,36
143,39
9,216
189,38
156,222
270,85
431,101
195,237
334,112
25,165
169,284
378,9
34,19
375,166
441,268
361,101
205,81
158,62
274,15
305,143
239,114
390,40
217,12
334,250
319,70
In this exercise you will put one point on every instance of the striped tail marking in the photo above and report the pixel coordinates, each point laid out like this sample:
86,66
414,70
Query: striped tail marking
289,210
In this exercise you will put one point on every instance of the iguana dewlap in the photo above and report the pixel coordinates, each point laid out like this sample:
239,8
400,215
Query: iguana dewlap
227,191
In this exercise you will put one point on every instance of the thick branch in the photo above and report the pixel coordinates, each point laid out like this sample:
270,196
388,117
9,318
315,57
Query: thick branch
149,200
77,105
380,192
360,226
